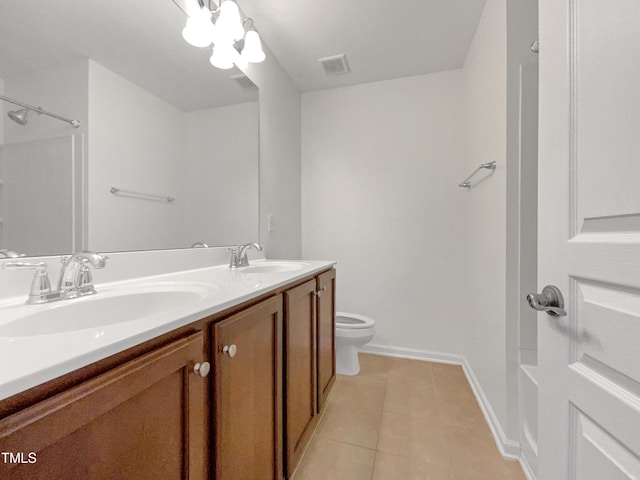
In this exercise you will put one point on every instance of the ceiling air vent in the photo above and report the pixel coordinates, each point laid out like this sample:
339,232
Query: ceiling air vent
335,65
244,81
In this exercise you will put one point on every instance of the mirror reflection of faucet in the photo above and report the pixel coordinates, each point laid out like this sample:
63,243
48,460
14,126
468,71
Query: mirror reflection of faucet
75,277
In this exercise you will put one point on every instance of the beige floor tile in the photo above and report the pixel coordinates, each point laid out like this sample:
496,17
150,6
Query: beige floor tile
422,418
508,470
450,380
412,371
330,460
413,438
444,369
476,451
373,368
366,395
461,410
413,399
350,423
392,467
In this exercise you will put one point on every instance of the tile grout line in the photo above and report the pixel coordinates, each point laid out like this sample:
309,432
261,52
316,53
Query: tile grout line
384,397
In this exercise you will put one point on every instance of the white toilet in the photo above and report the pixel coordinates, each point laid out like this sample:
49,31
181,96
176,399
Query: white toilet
352,332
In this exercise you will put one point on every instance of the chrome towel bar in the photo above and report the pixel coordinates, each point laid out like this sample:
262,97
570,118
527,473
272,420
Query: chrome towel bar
141,195
466,182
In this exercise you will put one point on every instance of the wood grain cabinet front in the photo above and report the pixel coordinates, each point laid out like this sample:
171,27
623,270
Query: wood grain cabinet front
300,370
247,389
146,419
326,335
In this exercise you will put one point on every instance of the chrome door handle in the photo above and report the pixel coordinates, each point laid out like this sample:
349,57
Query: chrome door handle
549,301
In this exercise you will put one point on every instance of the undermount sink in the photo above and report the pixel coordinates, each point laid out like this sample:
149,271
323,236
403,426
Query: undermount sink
103,309
273,267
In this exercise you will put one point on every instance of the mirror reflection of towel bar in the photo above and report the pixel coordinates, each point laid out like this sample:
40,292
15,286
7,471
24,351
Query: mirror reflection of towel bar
467,184
141,195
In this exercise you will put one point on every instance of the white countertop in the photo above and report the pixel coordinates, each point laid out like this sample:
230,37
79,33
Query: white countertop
27,361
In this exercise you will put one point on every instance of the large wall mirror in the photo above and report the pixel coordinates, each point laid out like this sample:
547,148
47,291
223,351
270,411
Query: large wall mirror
166,154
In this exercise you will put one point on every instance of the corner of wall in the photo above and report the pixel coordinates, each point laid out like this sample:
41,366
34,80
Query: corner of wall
280,158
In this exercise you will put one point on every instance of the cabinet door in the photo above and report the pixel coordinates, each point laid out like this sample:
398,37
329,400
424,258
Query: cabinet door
326,315
142,420
248,394
300,361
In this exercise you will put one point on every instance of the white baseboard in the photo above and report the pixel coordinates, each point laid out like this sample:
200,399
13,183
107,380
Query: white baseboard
413,354
526,468
508,448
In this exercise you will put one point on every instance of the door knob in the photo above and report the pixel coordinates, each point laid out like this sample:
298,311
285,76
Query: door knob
230,350
202,369
549,301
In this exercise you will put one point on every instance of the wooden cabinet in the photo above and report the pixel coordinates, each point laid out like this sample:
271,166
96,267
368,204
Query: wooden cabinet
300,371
146,419
326,335
309,359
247,389
147,414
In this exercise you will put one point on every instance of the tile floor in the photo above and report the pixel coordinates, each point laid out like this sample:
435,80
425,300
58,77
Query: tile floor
404,420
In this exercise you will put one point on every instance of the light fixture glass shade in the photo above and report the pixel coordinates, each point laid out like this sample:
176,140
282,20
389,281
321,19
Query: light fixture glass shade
229,25
252,50
222,56
199,30
192,7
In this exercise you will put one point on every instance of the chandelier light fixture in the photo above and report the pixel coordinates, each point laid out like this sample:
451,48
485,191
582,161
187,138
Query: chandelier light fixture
221,27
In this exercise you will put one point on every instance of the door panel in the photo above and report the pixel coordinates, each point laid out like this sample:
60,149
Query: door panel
247,392
326,287
589,239
599,455
143,420
300,378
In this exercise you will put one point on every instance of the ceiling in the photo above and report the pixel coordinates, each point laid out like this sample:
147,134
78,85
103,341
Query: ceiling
382,39
140,40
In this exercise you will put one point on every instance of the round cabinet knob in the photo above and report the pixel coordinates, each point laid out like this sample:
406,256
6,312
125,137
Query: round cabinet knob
202,369
230,350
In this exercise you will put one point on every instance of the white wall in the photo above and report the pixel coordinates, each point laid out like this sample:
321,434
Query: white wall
222,149
381,165
136,142
485,204
205,159
280,130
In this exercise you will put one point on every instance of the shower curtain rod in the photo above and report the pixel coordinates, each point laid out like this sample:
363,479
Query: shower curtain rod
74,123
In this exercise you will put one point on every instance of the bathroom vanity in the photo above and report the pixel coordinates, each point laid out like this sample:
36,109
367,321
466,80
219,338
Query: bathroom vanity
230,387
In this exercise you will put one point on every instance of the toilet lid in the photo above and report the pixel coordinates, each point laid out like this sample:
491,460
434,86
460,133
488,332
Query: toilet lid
352,320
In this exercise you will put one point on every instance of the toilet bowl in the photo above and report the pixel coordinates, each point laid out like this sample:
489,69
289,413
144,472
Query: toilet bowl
352,332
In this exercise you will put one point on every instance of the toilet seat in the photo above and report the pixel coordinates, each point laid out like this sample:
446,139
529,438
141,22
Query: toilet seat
349,321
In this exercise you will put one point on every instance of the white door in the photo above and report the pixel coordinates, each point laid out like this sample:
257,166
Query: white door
589,239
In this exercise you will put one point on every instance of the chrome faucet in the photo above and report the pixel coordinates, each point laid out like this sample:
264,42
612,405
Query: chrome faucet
75,277
239,254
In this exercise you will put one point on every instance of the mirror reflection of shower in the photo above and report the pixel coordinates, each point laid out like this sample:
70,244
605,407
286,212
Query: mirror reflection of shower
20,116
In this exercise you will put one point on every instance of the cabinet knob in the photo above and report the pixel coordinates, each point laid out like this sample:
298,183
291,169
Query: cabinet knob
202,369
230,350
320,292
